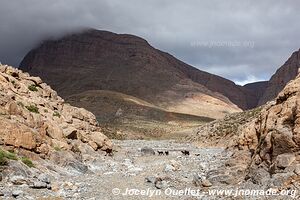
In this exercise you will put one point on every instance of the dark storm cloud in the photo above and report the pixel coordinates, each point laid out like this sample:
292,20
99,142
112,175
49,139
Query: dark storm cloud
209,34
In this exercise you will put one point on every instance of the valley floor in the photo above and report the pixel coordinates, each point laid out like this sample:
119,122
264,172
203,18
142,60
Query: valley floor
158,176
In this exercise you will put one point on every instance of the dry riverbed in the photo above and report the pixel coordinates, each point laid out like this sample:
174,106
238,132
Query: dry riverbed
133,173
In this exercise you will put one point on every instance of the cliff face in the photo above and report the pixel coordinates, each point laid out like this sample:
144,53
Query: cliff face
100,60
282,76
255,91
34,118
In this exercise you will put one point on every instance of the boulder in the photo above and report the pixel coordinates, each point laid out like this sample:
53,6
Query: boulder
285,160
101,140
147,151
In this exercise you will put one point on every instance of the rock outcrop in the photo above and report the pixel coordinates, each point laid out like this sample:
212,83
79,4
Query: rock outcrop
100,60
274,136
34,118
283,75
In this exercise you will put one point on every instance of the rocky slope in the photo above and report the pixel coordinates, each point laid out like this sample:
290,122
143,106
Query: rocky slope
273,136
100,60
282,76
35,119
264,141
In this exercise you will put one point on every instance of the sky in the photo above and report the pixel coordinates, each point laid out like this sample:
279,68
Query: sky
241,40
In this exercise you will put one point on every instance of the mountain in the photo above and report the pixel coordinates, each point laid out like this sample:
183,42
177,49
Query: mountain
101,60
256,91
283,75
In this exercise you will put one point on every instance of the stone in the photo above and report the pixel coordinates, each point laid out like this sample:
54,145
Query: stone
260,176
18,180
147,151
16,193
44,178
297,170
206,183
55,186
197,181
17,135
101,140
150,179
78,166
175,164
161,184
169,168
38,185
285,160
93,145
70,133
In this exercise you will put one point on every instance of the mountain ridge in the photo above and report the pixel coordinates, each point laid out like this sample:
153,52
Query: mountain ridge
128,52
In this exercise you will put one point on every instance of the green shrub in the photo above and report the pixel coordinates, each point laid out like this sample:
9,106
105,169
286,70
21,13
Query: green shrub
10,156
56,114
5,155
27,161
32,88
19,103
33,108
3,159
57,148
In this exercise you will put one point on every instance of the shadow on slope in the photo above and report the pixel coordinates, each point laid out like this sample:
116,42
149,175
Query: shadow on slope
127,117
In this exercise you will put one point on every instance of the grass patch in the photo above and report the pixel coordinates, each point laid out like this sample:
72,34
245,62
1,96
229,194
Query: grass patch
33,108
57,148
27,161
10,155
3,159
33,88
56,114
19,103
5,155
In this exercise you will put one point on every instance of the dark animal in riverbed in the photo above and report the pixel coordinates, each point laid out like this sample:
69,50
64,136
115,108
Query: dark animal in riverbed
166,153
185,152
109,152
160,153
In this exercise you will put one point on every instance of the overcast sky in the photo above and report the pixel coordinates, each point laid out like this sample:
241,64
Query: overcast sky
241,40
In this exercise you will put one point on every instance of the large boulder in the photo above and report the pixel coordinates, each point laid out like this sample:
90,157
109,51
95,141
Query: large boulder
17,135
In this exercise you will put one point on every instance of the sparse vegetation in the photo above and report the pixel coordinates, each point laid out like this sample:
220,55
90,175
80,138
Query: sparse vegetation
19,103
33,108
27,161
5,155
57,148
56,114
3,159
33,88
